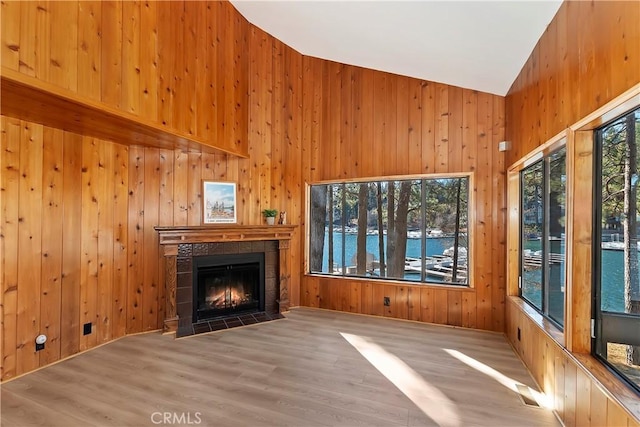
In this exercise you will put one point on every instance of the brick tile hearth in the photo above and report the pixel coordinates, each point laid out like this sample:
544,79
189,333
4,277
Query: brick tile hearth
228,323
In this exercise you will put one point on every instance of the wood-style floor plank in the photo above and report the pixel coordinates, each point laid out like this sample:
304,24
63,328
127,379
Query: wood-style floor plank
298,371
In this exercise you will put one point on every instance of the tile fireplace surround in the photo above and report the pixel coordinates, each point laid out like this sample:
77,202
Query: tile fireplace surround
179,244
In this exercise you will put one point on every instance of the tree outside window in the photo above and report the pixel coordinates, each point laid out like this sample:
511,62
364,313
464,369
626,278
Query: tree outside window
542,241
617,285
406,229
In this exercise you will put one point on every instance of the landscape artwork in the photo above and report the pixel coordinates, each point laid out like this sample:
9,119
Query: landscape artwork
219,202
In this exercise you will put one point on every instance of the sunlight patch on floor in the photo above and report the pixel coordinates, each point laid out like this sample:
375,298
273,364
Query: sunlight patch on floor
542,399
428,398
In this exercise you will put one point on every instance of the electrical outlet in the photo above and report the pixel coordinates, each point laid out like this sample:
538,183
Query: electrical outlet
518,334
87,329
387,301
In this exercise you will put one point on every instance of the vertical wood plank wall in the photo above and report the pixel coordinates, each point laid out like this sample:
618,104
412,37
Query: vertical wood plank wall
368,123
181,64
78,213
200,68
588,55
573,393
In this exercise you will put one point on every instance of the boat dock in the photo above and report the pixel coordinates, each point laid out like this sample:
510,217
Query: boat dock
533,260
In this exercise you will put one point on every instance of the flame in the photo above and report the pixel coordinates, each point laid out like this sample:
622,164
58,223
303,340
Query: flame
228,297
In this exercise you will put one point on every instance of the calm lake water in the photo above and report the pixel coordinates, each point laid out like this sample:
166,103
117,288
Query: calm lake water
612,286
612,277
434,247
613,281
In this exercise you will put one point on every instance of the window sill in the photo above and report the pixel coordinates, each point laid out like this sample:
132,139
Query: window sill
546,325
394,282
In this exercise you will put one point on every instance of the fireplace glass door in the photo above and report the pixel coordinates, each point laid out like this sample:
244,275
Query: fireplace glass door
227,289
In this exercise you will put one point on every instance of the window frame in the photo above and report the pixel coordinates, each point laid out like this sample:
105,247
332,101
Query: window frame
521,173
542,158
598,338
470,176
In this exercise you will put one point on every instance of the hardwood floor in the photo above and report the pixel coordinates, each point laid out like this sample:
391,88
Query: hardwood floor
299,371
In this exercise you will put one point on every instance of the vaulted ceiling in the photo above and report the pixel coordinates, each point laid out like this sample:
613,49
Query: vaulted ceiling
479,45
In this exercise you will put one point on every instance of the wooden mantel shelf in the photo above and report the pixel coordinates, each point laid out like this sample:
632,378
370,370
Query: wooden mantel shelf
223,233
28,98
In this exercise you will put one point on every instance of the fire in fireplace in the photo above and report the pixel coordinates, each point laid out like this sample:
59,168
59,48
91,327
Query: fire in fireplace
227,285
219,296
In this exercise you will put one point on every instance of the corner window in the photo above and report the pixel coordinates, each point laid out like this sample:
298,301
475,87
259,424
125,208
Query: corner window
616,257
406,229
542,240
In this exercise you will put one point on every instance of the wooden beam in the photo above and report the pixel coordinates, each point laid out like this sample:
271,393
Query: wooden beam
28,98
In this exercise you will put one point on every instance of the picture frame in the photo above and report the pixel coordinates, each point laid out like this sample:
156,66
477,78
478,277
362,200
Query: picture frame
219,202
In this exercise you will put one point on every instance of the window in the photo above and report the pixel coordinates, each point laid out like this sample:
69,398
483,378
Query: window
406,229
617,278
542,240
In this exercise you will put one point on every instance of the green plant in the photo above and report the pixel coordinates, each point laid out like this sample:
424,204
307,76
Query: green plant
270,213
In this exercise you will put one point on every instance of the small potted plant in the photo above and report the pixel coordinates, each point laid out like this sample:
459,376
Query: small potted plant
270,215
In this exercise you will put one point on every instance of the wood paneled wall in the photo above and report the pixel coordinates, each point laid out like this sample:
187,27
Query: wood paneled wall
588,55
65,230
577,398
200,68
78,243
364,123
183,64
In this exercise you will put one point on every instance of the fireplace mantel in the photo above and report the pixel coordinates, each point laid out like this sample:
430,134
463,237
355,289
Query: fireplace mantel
170,239
224,233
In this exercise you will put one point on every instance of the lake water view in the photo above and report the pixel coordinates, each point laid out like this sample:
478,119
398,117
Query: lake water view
435,246
612,278
613,281
612,260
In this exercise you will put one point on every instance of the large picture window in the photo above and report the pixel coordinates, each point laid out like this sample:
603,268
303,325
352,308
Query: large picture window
406,229
617,278
542,241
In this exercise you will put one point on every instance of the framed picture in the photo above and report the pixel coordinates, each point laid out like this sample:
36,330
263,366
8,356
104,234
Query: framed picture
219,202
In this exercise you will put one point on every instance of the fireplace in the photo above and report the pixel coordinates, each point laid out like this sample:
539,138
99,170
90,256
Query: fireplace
182,247
226,285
